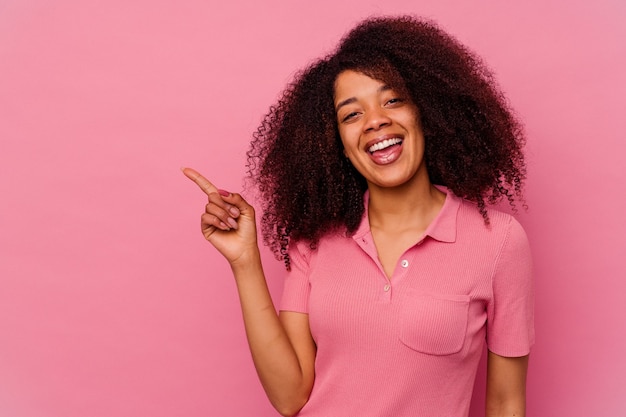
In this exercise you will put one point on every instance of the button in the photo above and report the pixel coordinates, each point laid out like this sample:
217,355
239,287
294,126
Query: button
387,287
404,263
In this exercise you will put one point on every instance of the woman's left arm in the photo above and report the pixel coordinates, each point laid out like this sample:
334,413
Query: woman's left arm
506,386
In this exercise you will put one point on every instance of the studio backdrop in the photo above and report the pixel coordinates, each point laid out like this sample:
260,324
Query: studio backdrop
111,302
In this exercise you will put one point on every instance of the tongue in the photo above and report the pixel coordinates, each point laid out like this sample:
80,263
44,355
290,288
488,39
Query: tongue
387,155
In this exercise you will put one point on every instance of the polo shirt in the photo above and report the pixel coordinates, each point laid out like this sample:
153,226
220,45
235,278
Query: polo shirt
410,346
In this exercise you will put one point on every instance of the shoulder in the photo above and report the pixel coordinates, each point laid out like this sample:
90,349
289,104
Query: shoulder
498,221
502,235
300,251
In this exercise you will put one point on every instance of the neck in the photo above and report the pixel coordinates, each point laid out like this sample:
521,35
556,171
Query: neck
410,206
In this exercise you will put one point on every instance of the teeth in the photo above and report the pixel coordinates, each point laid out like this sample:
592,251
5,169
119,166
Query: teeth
384,144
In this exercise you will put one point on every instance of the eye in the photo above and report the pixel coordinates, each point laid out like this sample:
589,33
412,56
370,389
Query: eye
349,116
393,101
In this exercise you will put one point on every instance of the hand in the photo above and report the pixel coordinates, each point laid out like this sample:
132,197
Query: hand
228,221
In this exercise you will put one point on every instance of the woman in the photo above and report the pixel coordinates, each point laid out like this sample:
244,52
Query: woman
376,167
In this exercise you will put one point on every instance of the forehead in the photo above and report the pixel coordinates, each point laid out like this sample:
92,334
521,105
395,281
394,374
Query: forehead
351,83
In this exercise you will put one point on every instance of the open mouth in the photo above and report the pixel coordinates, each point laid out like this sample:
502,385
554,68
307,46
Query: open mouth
384,144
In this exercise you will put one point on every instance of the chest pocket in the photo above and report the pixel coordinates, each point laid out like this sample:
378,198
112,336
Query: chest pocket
435,324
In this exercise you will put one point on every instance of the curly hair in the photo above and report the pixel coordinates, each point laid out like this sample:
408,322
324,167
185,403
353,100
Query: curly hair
473,140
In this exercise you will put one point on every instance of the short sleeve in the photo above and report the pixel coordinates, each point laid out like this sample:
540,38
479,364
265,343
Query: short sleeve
510,314
297,287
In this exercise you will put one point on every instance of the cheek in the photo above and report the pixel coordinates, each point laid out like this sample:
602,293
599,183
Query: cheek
349,140
348,150
344,143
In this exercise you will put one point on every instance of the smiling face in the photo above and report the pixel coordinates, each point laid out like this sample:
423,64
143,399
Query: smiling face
380,131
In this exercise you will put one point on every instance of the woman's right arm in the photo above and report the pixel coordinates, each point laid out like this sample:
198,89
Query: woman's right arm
282,348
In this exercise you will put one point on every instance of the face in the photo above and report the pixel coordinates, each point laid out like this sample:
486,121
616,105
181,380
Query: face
380,131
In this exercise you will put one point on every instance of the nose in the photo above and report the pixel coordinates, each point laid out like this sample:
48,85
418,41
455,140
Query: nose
376,118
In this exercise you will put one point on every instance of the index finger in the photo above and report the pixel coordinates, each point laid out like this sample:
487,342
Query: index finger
204,184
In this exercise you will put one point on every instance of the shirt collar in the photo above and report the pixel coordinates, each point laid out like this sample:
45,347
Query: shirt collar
442,228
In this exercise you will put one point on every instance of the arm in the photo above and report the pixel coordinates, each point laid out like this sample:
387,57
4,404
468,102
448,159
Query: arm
282,347
510,329
506,386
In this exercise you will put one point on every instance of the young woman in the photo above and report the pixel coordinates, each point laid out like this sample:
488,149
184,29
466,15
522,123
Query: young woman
376,167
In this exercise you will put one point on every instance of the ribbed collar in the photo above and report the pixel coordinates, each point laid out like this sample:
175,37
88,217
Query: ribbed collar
442,228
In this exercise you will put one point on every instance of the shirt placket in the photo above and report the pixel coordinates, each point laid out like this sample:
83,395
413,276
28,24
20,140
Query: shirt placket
366,243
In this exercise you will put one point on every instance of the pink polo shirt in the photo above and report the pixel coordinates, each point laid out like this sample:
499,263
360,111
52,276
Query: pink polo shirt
409,346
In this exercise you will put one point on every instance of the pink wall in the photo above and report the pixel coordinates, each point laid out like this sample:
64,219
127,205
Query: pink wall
111,303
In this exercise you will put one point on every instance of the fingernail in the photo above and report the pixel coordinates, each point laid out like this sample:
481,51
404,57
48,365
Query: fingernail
224,226
223,193
232,223
234,211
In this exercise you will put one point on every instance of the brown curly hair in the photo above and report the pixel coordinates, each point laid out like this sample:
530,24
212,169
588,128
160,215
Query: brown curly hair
473,139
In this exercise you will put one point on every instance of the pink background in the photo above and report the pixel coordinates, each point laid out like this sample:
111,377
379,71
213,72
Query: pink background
111,303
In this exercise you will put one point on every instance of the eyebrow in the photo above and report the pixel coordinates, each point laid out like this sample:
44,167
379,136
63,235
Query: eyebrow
353,99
